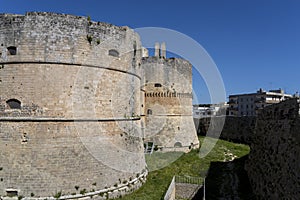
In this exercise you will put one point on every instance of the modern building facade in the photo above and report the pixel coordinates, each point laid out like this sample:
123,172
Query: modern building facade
249,104
209,110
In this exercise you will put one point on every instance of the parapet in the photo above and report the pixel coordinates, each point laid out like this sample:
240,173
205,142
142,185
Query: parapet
63,38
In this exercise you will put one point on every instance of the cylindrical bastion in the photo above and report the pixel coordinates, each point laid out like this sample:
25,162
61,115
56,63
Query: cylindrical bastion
69,104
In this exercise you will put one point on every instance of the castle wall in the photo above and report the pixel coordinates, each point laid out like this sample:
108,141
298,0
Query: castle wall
55,157
236,129
78,83
227,180
168,100
273,165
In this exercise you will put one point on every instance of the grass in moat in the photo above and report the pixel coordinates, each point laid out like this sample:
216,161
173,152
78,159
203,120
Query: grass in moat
189,164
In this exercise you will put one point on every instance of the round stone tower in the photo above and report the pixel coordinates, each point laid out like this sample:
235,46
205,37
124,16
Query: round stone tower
168,102
69,107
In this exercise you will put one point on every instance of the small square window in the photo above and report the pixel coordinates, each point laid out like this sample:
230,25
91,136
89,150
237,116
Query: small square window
12,50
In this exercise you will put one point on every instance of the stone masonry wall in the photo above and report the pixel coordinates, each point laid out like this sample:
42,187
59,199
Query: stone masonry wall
237,129
274,160
54,157
168,103
78,83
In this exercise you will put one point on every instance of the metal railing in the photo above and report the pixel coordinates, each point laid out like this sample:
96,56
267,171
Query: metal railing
170,194
189,180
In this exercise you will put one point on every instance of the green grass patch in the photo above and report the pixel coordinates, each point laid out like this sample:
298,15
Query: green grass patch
177,163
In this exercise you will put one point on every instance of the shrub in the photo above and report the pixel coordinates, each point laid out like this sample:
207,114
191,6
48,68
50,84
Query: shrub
89,20
57,195
83,191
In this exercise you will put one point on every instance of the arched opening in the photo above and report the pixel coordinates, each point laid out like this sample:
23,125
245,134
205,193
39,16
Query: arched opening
12,50
157,85
178,144
113,52
14,104
149,112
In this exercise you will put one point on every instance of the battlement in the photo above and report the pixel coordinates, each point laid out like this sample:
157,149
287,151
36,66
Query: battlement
167,61
7,18
62,38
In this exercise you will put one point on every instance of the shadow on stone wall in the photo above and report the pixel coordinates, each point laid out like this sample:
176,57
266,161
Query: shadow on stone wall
227,180
235,129
274,160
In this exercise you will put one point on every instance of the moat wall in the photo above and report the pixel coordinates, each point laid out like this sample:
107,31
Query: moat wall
236,129
274,161
274,138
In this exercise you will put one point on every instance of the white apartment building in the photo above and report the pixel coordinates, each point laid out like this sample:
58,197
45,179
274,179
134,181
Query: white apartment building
249,104
208,110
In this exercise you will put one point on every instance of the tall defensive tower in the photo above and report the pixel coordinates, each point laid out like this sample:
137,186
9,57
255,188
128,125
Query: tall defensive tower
168,102
69,88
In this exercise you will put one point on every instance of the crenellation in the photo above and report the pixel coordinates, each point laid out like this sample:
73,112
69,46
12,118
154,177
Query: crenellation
68,42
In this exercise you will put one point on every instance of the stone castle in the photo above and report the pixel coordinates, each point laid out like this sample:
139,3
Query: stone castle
272,167
78,102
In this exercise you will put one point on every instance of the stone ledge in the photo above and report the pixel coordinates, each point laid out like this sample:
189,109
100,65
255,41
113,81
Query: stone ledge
122,187
52,119
71,64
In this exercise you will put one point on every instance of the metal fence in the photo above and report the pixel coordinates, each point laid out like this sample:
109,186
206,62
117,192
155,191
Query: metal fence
170,194
189,180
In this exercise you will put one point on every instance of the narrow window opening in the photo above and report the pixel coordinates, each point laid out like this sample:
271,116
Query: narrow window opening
12,50
157,85
113,52
24,138
14,104
149,112
134,49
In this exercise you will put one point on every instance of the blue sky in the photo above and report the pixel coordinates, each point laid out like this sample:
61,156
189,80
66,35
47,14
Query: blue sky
255,44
